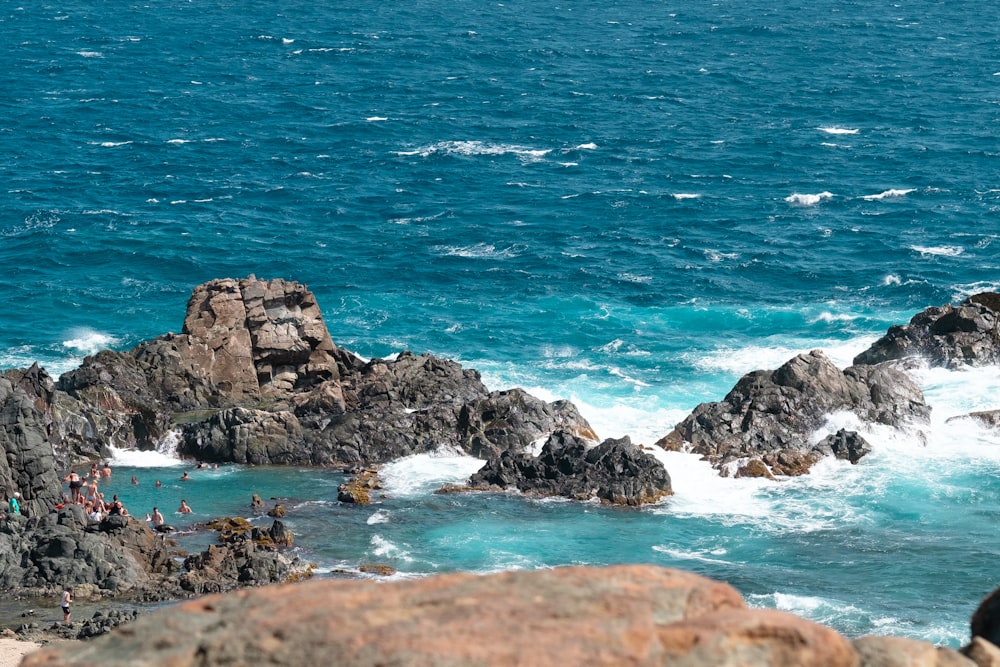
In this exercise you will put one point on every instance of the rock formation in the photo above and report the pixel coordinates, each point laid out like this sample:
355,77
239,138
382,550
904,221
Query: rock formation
615,471
951,336
624,615
254,377
771,416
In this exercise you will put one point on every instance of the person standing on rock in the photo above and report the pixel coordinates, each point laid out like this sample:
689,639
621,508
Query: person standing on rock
15,505
75,484
67,598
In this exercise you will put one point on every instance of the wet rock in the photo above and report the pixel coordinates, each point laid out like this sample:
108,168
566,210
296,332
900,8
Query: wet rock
358,490
616,471
982,652
950,336
772,415
844,444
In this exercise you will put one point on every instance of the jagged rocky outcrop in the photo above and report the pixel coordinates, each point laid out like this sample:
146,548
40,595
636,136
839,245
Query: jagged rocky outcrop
950,336
638,615
615,471
771,416
254,377
62,548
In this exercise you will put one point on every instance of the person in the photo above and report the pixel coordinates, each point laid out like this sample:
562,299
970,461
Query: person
67,598
106,471
185,476
184,509
135,480
95,513
159,483
94,472
15,505
158,518
75,484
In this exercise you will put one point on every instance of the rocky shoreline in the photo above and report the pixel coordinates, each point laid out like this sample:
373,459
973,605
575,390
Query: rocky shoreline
255,378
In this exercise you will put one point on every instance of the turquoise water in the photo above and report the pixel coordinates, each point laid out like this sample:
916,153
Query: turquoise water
628,206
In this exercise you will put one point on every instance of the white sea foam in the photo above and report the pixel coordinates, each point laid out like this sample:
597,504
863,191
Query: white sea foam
421,474
943,250
807,199
477,251
962,292
88,341
111,144
477,148
376,119
681,196
888,194
164,456
90,54
178,141
760,357
702,555
381,516
838,130
891,279
383,548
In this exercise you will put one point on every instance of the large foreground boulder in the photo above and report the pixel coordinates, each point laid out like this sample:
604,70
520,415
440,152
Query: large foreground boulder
635,615
615,471
772,416
951,336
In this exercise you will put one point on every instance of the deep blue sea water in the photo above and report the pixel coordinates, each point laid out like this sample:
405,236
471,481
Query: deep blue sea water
626,204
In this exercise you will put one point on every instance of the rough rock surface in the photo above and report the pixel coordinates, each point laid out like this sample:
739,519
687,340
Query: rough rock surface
900,652
952,336
566,616
254,377
772,415
63,548
615,471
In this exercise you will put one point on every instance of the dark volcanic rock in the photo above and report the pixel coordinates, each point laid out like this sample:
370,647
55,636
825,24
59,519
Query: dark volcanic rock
952,336
616,471
845,444
254,377
772,415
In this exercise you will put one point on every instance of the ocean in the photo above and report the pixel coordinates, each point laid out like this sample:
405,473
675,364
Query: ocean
625,204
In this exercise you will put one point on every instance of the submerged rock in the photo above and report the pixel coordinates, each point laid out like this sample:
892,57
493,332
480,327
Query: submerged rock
772,415
615,471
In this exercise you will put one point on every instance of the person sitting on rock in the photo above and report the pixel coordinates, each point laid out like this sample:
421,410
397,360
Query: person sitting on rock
96,515
184,508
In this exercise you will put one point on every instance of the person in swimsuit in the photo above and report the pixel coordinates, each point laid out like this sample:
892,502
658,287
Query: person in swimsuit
184,509
67,598
75,484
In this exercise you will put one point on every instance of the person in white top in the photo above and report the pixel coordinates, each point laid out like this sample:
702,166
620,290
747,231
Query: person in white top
67,598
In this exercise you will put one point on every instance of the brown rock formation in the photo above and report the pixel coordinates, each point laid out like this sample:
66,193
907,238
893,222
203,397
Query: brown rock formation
568,616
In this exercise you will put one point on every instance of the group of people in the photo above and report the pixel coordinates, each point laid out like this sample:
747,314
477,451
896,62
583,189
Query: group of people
84,491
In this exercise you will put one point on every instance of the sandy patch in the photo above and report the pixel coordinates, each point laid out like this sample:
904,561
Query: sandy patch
12,650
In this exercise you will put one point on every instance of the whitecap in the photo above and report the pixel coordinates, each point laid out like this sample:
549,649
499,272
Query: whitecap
383,548
376,119
178,141
421,474
702,555
88,341
681,196
838,130
90,54
808,199
891,279
888,194
478,148
378,517
112,144
477,251
942,251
